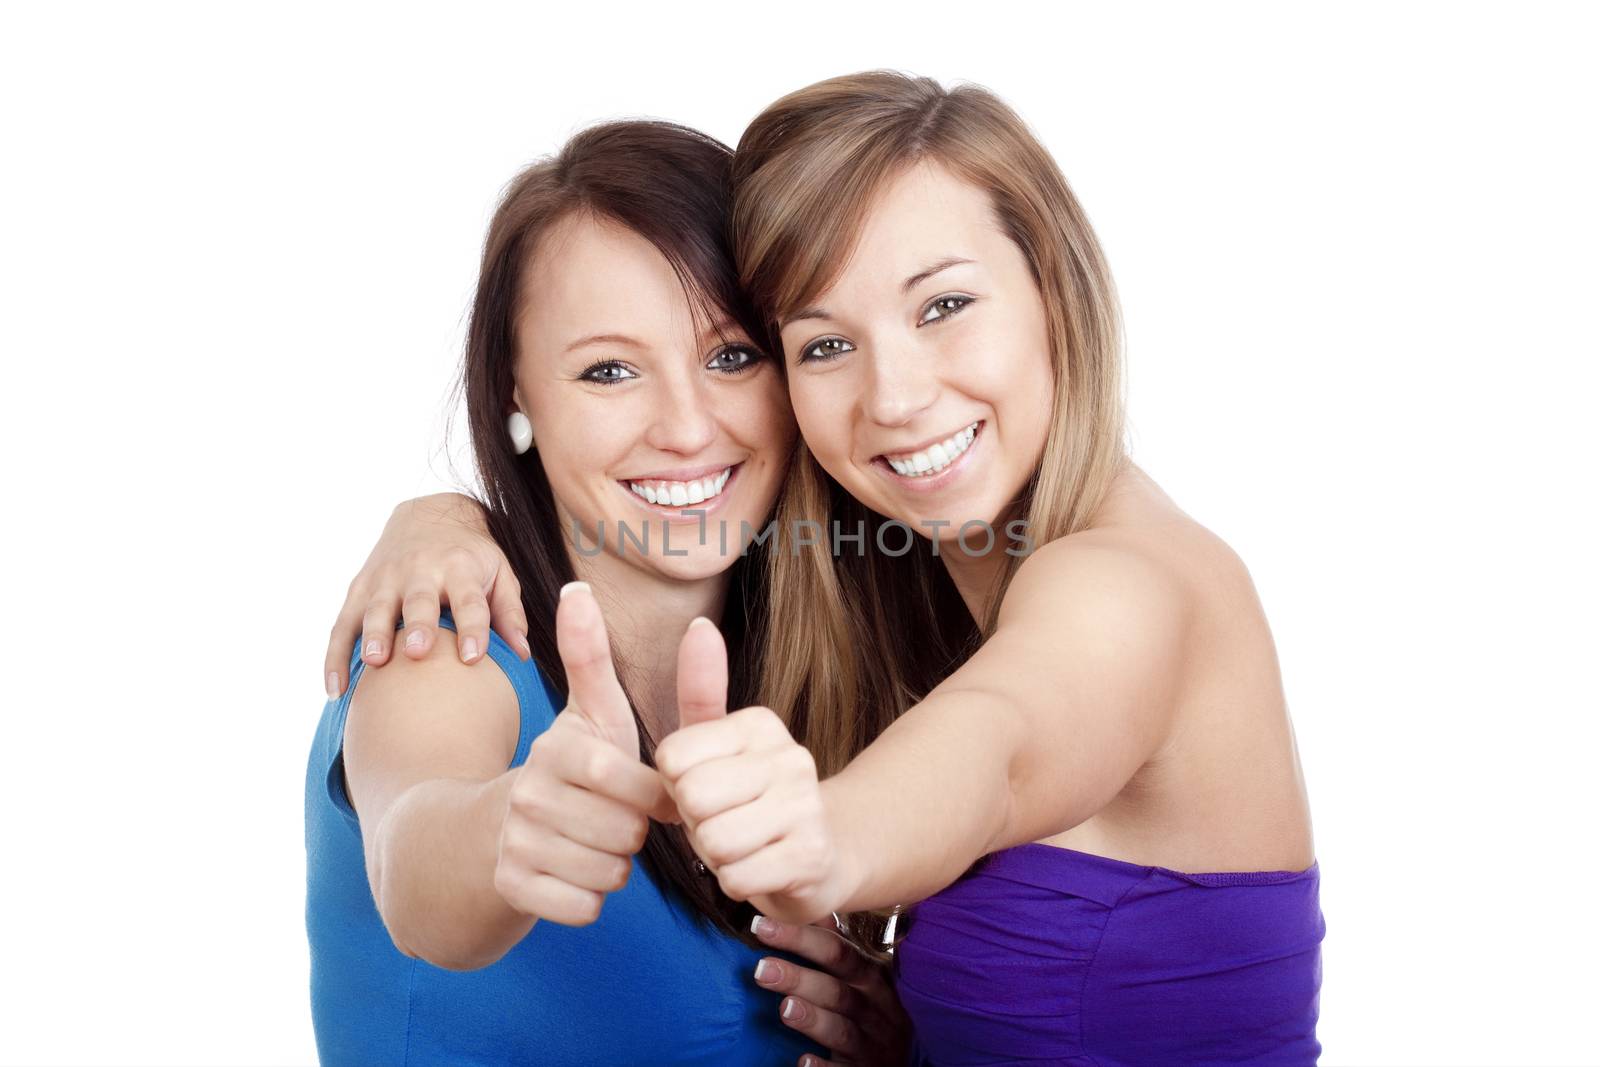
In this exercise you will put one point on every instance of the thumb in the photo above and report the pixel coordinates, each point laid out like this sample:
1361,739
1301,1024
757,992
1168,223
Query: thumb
592,687
702,674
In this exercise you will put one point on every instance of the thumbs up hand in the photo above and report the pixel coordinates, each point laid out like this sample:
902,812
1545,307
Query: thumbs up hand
747,792
580,807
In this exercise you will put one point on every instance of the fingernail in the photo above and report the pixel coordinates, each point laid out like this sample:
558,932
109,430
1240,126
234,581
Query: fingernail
374,647
791,1009
762,926
570,586
469,649
414,639
767,971
699,620
333,686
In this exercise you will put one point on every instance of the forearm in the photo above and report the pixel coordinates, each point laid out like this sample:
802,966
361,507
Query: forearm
432,865
922,802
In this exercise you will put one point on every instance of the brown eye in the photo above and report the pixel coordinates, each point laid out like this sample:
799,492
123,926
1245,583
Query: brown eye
825,349
942,308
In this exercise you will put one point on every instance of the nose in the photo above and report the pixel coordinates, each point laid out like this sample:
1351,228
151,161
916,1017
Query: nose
683,421
900,387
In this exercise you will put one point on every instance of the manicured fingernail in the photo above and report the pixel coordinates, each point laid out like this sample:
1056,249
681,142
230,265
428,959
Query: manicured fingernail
791,1009
762,926
469,649
767,971
570,586
374,647
333,686
414,639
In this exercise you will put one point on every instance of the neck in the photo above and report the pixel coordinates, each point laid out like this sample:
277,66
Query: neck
976,577
646,615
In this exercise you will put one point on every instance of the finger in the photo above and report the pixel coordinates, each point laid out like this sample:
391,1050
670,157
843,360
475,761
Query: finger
781,879
821,946
600,767
813,986
589,819
470,613
732,836
720,785
829,1029
702,674
341,643
591,677
808,1060
420,610
377,628
506,613
746,730
548,898
538,851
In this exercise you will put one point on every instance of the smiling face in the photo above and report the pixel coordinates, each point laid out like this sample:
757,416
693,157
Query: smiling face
921,379
644,414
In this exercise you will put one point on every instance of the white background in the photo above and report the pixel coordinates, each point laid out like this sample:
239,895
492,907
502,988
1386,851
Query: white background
1356,247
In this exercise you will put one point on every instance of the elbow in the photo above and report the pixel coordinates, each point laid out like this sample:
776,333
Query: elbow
432,942
440,949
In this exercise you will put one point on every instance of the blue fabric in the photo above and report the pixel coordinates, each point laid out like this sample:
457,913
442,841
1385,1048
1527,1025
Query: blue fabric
646,983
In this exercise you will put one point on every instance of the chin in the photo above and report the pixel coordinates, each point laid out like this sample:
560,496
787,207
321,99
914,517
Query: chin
699,565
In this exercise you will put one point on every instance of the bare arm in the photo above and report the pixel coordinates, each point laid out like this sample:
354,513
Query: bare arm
426,748
1042,728
463,856
1047,723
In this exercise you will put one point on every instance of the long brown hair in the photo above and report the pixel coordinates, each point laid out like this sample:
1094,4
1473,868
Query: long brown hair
670,185
879,631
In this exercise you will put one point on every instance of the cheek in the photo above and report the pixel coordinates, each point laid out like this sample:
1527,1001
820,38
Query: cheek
577,443
823,418
767,418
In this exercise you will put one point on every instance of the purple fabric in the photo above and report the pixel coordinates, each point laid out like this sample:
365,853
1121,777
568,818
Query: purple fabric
1044,955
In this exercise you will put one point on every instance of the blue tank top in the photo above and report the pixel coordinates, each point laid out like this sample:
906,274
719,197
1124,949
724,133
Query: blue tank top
645,984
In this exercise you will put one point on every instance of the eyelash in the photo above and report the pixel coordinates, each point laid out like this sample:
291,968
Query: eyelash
966,302
755,354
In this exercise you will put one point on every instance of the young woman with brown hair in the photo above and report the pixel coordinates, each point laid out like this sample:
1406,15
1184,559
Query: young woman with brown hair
484,881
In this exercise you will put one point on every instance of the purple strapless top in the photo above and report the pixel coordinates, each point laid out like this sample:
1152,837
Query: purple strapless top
1045,955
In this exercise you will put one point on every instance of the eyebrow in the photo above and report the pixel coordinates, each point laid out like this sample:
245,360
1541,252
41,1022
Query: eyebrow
905,286
605,339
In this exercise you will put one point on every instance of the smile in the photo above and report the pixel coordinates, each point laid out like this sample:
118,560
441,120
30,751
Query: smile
934,458
678,494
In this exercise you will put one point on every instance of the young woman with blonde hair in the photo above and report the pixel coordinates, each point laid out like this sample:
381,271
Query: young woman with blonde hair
1084,770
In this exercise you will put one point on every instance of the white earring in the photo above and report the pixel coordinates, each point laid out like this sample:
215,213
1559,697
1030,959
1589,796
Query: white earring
521,431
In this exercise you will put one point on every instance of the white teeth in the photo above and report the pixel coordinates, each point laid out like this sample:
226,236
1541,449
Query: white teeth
936,457
681,494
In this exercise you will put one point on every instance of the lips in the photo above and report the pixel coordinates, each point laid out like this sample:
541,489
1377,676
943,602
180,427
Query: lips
929,461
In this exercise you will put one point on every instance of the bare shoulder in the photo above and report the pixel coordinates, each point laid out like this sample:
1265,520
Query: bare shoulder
1102,581
430,718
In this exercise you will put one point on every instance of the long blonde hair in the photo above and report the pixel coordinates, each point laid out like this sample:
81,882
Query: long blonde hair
855,640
